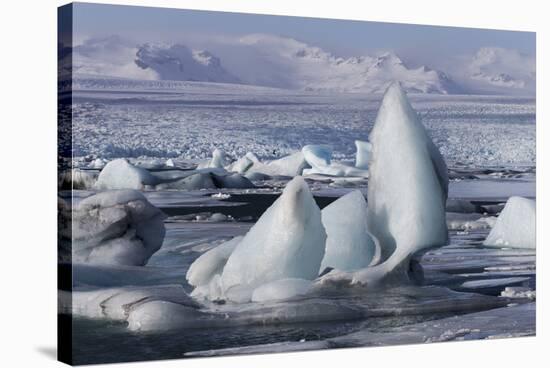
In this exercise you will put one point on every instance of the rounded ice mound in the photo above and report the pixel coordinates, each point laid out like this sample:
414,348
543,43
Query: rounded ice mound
515,227
282,289
192,182
288,241
219,160
120,174
349,246
116,227
408,180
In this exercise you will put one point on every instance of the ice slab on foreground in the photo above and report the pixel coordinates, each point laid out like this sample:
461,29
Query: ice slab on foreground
288,241
349,246
515,227
115,227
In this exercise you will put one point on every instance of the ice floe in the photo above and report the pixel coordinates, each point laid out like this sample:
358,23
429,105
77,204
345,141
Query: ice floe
515,227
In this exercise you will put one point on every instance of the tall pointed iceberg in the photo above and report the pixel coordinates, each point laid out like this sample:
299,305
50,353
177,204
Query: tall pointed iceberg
408,182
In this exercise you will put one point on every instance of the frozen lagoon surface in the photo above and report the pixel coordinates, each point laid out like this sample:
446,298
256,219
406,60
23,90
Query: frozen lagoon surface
488,144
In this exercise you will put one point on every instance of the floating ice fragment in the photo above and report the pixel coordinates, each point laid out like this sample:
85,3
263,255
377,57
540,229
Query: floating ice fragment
515,227
120,174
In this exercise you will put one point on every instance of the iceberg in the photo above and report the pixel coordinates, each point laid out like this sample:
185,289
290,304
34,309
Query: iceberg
362,155
349,246
515,227
408,181
317,155
407,192
219,160
291,165
121,174
116,227
319,158
288,241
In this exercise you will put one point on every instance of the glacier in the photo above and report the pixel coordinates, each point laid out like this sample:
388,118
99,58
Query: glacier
515,227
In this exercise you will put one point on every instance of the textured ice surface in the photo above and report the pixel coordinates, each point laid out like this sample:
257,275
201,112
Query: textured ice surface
111,123
288,241
317,155
515,227
120,174
349,246
408,181
116,227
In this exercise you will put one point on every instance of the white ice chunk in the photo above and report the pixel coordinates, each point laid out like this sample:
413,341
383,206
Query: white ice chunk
281,289
317,155
515,227
116,227
319,158
288,241
349,246
362,155
211,263
408,186
120,174
219,160
169,163
291,165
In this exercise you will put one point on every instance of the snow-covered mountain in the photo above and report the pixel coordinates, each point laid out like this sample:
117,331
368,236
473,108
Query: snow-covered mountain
178,62
282,62
294,64
492,69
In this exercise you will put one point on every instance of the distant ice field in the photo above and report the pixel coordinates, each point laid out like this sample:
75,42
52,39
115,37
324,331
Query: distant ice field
189,119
